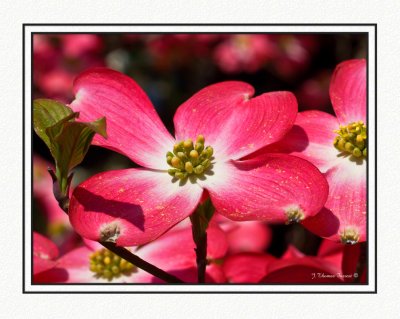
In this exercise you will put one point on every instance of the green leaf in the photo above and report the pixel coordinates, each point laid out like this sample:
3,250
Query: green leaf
72,143
67,140
47,113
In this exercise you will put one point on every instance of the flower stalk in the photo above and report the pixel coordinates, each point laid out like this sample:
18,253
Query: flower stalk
200,220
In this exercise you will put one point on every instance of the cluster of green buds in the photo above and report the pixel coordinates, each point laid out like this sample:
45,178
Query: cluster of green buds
352,139
105,264
189,158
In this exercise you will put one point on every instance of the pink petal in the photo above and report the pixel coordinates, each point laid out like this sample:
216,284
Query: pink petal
292,252
328,248
219,110
246,267
174,252
266,188
133,126
248,236
44,253
306,270
331,252
136,205
348,91
310,138
346,205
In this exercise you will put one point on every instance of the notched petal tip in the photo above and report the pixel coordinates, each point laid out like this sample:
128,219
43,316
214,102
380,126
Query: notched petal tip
110,232
350,236
294,214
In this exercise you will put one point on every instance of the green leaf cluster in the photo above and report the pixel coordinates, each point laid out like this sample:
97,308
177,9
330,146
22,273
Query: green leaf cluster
67,139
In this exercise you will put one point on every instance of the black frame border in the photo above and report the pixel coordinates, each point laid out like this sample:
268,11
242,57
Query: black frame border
24,25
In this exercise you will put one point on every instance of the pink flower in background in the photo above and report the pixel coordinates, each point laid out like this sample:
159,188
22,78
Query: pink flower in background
58,58
313,93
45,254
302,269
57,224
173,252
214,129
294,54
244,52
246,267
250,236
338,147
334,263
81,45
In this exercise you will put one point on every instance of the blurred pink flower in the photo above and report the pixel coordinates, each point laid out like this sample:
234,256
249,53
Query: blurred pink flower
294,54
58,58
250,236
45,254
244,53
43,192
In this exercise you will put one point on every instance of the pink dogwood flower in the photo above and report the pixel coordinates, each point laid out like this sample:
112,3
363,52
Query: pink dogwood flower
173,252
338,147
214,130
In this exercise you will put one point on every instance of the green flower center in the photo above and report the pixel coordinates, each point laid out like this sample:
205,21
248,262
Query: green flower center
189,158
352,139
105,264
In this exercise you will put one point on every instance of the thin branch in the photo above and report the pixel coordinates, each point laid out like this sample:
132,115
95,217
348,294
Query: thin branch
139,262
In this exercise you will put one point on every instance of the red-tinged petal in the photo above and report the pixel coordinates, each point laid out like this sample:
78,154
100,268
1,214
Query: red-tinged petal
220,109
174,252
292,252
328,248
348,91
266,188
351,259
133,126
248,236
310,138
331,252
306,270
246,267
130,206
44,254
345,208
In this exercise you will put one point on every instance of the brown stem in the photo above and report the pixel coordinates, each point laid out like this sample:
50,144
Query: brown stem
200,219
139,262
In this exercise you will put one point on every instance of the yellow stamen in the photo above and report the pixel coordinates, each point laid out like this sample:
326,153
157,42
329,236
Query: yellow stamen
105,264
189,158
352,139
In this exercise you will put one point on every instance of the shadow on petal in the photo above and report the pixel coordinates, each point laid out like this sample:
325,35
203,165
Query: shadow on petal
98,204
